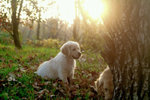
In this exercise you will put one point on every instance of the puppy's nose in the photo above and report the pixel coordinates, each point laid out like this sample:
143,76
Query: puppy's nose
79,53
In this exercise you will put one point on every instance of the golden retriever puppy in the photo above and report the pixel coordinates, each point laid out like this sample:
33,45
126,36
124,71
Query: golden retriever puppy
104,84
63,65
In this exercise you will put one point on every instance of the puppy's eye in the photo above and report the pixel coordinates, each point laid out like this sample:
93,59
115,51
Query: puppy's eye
74,49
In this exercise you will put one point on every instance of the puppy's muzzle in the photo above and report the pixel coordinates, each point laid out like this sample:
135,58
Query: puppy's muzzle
79,53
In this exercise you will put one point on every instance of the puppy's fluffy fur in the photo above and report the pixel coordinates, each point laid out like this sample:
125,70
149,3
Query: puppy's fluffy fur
63,65
104,84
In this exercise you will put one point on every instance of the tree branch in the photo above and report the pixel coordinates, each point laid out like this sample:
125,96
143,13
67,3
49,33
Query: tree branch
8,30
20,10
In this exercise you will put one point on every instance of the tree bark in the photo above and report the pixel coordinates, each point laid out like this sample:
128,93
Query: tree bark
126,48
75,30
76,21
31,29
38,27
15,22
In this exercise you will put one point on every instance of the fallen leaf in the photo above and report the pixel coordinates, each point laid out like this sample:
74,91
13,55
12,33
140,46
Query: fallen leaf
40,93
22,69
11,77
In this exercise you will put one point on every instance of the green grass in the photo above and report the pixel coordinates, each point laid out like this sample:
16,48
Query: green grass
21,65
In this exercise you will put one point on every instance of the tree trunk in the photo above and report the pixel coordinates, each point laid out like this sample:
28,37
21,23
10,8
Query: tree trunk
127,48
31,30
38,27
15,24
75,30
16,38
43,29
76,22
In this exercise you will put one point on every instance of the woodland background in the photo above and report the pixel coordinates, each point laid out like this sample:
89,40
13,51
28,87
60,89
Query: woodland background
121,41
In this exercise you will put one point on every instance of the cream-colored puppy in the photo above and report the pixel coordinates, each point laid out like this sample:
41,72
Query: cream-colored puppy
63,65
104,84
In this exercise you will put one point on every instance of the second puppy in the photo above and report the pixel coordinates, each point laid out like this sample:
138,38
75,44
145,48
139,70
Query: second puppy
104,84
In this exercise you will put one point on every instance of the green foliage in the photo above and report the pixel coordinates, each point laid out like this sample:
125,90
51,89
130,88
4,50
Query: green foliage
92,41
92,35
52,43
5,38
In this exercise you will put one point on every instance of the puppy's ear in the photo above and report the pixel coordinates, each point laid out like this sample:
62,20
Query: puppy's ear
65,49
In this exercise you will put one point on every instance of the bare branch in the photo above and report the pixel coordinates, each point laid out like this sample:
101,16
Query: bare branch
20,10
7,30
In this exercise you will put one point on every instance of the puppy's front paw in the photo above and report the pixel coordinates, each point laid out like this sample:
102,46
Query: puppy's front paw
66,82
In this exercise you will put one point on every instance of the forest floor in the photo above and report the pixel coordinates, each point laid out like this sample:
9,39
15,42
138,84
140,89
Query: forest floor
18,81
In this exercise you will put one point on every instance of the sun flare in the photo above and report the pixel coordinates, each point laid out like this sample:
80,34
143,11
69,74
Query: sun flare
65,9
94,8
